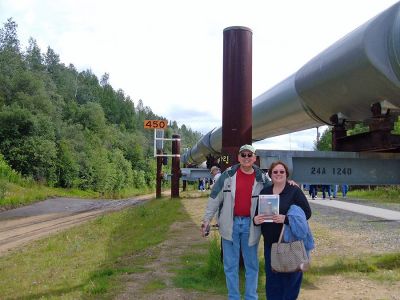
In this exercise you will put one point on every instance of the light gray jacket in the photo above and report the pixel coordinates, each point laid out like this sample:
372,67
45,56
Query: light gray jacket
222,199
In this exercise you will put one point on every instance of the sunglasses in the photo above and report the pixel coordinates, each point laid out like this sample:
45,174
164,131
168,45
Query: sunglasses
246,155
280,172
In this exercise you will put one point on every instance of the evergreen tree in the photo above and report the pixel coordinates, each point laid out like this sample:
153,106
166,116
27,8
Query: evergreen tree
9,38
33,56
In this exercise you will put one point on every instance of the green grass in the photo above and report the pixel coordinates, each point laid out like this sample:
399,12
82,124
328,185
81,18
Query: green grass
17,195
383,267
14,195
386,194
202,272
88,261
153,286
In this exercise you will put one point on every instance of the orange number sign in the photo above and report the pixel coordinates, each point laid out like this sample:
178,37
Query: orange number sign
155,124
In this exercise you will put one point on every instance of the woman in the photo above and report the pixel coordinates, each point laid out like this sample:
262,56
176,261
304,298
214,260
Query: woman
280,285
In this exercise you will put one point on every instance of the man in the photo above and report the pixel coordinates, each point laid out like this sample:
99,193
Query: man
215,174
235,197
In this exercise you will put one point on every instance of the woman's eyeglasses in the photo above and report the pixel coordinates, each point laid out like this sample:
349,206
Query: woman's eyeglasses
246,155
280,172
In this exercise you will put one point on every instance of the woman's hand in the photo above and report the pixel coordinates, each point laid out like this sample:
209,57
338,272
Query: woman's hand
278,218
259,219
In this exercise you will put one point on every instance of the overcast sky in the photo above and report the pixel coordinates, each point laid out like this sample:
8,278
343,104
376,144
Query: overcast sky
169,53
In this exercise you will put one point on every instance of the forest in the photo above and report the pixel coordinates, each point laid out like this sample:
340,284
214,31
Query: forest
67,128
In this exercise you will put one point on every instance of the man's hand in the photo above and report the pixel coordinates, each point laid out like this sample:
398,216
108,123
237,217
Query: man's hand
292,182
205,228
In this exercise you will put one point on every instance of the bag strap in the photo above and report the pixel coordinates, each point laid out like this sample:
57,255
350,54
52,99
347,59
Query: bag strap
281,235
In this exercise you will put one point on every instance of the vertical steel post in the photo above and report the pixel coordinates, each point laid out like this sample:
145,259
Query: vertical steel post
184,181
176,171
338,131
237,93
159,174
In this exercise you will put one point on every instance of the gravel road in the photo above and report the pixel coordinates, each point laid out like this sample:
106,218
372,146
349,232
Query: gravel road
381,235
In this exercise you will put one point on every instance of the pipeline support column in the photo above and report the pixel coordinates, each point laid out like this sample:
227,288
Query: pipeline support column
237,93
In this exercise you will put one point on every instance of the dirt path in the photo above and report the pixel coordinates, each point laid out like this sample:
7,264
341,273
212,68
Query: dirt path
25,224
182,237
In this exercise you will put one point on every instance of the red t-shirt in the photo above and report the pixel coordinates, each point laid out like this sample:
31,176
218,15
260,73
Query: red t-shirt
244,187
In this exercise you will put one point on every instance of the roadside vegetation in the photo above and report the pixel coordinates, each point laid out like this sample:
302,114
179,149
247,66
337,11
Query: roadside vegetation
385,194
383,267
17,190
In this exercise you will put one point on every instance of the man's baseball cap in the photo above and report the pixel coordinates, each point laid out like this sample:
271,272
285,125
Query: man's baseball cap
213,168
248,148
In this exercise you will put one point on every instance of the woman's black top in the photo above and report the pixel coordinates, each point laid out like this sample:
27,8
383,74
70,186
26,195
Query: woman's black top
291,194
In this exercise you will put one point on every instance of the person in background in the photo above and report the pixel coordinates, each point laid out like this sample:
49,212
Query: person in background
202,184
345,189
234,196
334,190
326,188
281,286
215,174
313,191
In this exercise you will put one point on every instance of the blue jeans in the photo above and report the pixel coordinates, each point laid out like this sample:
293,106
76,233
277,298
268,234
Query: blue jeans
335,190
231,256
345,188
313,191
280,286
326,188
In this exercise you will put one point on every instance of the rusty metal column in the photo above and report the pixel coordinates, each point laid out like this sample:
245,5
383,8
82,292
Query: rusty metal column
176,160
159,174
237,93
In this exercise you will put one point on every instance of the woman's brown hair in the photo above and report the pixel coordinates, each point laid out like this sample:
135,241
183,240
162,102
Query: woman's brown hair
274,164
